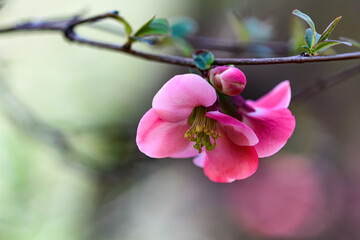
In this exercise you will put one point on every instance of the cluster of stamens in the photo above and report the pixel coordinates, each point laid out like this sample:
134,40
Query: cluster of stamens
201,130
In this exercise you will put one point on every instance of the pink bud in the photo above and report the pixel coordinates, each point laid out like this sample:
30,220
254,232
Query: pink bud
228,80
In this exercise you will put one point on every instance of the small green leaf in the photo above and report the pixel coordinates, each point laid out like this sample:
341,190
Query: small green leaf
329,29
308,20
305,17
322,46
258,30
154,27
127,26
239,28
180,43
352,41
309,51
309,37
145,24
183,28
203,59
185,47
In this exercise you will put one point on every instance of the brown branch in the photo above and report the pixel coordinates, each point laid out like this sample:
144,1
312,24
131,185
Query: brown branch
325,83
68,26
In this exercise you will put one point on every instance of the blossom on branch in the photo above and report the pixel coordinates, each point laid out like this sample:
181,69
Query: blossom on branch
226,136
228,80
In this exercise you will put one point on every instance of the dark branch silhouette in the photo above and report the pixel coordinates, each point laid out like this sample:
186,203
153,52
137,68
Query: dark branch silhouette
325,83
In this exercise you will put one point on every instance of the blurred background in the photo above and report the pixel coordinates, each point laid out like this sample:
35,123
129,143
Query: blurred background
69,165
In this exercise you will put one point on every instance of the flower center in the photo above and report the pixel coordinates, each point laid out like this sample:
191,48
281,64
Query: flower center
201,130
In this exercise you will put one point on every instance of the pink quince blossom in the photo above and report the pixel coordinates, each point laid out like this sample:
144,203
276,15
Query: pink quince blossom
226,147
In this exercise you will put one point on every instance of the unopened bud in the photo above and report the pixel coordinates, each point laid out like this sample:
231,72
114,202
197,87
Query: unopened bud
228,80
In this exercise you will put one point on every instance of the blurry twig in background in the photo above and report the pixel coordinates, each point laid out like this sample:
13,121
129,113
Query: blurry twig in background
68,29
282,48
31,124
325,83
28,122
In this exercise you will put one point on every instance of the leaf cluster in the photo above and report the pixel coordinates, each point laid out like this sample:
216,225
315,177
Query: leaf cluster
317,43
158,31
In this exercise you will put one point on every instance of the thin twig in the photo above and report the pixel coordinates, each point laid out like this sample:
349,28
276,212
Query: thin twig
210,43
68,26
31,124
325,83
225,45
35,127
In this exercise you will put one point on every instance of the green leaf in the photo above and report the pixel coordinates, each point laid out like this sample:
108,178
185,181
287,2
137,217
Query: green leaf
322,46
154,27
309,51
329,29
309,37
305,17
308,20
115,15
127,26
203,59
180,43
185,47
259,30
352,41
183,28
239,28
145,24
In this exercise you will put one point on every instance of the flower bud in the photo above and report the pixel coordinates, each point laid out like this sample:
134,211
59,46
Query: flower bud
228,80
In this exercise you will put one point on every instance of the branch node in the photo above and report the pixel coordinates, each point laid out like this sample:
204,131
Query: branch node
69,33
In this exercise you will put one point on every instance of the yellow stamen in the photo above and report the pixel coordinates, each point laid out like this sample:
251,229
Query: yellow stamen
201,130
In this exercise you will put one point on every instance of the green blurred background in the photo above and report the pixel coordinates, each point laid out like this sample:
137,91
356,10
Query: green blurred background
69,165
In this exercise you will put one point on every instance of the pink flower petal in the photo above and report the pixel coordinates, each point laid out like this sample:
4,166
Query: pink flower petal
279,97
286,199
180,95
237,131
199,160
229,162
272,127
158,139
